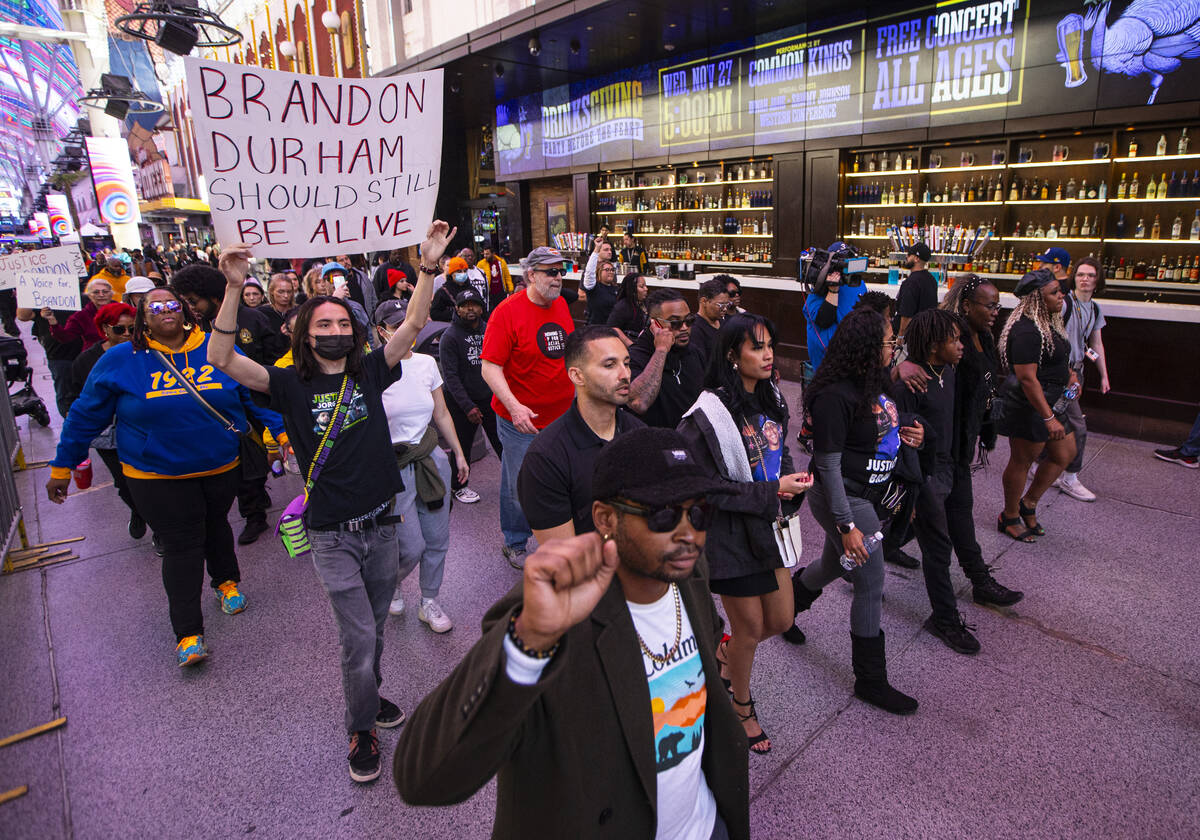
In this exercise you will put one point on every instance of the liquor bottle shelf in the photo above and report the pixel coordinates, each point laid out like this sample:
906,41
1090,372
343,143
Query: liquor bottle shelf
687,185
726,263
1060,201
1148,158
706,235
912,204
1148,241
1054,239
959,203
1195,199
1035,164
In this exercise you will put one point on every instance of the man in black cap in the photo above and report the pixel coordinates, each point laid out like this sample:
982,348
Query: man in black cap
468,397
588,696
668,371
918,292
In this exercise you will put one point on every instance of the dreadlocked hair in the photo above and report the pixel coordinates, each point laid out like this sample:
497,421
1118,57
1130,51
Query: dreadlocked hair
854,354
927,330
1033,307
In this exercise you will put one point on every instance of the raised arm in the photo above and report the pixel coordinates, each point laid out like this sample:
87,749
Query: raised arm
436,240
235,265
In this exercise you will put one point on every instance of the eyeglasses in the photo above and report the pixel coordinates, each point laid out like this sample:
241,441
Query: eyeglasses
676,324
733,293
551,272
891,342
159,307
121,329
663,520
723,307
990,307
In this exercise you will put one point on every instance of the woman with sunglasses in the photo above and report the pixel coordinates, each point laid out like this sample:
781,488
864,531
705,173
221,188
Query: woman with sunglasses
179,461
115,322
737,430
81,326
856,442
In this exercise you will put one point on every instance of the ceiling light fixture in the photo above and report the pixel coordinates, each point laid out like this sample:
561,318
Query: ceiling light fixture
178,26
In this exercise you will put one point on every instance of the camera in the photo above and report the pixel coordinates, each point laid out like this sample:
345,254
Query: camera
816,264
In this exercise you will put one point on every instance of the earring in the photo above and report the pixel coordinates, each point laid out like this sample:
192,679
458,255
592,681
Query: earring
735,367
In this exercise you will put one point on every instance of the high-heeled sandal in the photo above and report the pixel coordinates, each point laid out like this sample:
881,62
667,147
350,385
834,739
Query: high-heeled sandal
1002,525
1027,512
723,662
762,736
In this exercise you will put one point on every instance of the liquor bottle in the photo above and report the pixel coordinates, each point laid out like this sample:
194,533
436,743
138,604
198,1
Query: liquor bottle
1156,229
1183,142
899,163
1177,227
1074,229
926,198
1173,185
1134,188
998,193
1086,230
1122,272
1195,190
1163,267
1195,234
1103,192
1091,191
1133,147
1045,193
1163,187
871,227
1161,149
1053,232
908,194
884,161
1029,231
1058,192
1123,188
970,196
1194,274
1184,186
1008,263
1072,190
945,193
1040,233
1017,229
1140,231
870,163
955,193
1014,194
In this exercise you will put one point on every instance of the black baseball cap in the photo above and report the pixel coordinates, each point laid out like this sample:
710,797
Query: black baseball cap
468,295
919,250
391,312
652,467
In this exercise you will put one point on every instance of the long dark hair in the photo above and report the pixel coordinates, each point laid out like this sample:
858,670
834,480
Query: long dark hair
854,355
628,289
141,330
303,357
724,379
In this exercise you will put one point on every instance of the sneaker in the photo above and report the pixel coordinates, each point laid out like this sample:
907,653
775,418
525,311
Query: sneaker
989,591
191,650
254,529
232,601
389,714
1176,456
956,633
466,495
515,555
431,613
364,756
1069,483
137,526
397,605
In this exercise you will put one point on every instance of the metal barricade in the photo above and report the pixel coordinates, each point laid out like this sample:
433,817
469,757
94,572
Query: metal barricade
10,448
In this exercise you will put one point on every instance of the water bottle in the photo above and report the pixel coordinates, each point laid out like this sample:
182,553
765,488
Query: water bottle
869,543
1061,404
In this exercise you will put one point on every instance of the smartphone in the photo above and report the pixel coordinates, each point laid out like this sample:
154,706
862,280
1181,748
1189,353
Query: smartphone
339,283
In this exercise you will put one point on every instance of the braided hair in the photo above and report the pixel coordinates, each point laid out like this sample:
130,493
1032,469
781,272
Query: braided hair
1033,307
962,292
928,330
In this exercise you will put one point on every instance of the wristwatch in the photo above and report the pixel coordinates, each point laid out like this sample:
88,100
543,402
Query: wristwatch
845,529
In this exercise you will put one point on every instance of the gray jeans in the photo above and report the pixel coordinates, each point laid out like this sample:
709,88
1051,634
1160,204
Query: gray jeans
1077,423
867,604
358,571
424,534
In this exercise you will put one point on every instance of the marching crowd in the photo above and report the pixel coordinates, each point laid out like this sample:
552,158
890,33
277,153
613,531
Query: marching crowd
649,452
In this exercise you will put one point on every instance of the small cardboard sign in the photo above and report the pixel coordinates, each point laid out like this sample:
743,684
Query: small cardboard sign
49,277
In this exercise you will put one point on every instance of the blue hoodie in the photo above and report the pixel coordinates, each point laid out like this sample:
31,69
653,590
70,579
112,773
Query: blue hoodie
162,432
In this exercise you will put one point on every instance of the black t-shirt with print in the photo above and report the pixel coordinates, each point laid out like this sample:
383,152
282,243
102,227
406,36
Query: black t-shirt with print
359,473
868,442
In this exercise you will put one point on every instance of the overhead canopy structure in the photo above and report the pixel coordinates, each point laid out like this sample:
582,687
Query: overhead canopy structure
39,86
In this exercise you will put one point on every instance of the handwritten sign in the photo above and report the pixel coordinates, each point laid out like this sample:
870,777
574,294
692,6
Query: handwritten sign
49,277
301,165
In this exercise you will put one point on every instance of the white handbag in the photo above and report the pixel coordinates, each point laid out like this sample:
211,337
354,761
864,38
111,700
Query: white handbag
788,539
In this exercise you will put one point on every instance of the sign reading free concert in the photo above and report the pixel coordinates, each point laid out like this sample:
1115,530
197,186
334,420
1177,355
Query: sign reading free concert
299,164
956,61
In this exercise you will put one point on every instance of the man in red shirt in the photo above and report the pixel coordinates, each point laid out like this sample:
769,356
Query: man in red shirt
522,357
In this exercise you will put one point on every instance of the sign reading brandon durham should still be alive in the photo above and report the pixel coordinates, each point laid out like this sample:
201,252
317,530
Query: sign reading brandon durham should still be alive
300,165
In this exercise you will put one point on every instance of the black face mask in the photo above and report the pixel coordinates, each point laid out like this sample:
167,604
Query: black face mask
334,347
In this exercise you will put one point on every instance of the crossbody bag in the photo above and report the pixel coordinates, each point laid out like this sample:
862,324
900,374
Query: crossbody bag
252,455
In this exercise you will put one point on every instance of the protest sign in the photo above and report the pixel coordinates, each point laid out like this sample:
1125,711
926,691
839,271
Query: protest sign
300,165
49,277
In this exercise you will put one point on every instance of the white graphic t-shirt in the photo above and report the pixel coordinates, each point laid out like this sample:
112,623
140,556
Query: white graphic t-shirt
678,700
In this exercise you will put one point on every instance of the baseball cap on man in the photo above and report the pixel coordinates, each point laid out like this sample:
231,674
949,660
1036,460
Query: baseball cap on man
919,250
1055,256
468,295
651,466
391,313
139,285
544,255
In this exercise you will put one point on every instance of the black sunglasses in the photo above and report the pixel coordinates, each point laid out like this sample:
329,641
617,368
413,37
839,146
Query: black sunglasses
120,329
662,520
552,272
676,324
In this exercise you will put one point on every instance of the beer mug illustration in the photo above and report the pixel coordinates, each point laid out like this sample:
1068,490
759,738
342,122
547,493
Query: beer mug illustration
935,161
1025,154
1100,150
966,159
998,157
1070,49
1061,152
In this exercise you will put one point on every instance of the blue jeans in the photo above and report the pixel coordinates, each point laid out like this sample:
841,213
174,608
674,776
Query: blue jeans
358,571
512,519
424,534
1191,446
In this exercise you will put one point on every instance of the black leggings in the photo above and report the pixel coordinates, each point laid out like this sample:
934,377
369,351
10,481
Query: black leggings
110,459
466,430
190,517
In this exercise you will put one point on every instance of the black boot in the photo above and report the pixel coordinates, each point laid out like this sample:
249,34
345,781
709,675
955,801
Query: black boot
870,677
803,599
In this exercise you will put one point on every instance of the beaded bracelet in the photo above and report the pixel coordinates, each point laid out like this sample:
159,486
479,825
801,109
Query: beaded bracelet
516,640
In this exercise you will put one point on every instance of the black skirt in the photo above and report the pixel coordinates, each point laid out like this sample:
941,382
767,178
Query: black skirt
746,586
1019,419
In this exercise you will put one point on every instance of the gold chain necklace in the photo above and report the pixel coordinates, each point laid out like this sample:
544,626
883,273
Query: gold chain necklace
664,659
935,373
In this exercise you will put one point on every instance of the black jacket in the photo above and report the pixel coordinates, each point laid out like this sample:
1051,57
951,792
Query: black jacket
682,380
978,377
462,368
628,317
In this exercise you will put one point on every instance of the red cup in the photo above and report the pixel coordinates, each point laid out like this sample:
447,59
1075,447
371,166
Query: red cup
83,475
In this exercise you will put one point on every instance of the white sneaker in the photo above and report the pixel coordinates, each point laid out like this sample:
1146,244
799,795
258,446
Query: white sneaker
397,605
431,613
1069,483
466,495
